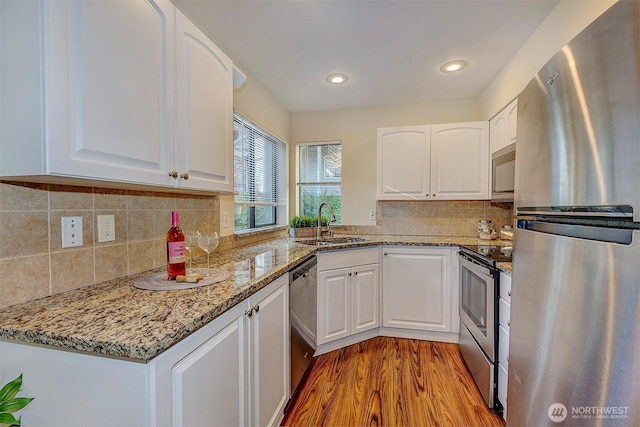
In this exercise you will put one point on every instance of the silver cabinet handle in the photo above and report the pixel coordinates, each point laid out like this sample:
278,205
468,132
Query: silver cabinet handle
509,323
349,274
257,308
356,273
184,176
173,174
509,293
249,312
385,254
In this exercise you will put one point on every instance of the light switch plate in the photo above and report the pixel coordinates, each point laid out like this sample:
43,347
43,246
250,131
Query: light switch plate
372,215
71,231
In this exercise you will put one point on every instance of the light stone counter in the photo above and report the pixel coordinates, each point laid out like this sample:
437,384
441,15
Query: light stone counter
115,319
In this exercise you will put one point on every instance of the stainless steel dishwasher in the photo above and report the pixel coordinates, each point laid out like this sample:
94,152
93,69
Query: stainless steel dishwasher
303,318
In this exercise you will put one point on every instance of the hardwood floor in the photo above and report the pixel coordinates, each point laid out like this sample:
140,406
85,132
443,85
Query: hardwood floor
390,382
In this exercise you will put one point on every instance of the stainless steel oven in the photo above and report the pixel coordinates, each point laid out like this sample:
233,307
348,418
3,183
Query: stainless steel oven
478,315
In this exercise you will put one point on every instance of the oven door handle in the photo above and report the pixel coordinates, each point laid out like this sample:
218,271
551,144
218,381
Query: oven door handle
477,264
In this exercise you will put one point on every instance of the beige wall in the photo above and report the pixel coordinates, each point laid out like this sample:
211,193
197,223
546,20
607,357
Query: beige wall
356,128
564,22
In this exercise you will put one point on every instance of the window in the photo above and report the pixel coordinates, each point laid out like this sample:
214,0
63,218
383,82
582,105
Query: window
319,177
260,176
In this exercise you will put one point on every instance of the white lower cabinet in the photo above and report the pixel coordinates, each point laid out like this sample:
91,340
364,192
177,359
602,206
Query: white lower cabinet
239,376
348,293
419,289
232,372
206,385
504,327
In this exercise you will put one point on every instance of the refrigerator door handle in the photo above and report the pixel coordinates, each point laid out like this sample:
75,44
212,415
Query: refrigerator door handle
602,234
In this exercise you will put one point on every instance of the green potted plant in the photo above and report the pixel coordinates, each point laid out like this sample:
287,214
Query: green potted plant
305,226
9,403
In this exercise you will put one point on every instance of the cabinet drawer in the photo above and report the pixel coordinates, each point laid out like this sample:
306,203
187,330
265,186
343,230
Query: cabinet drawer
505,314
503,346
505,286
503,383
347,258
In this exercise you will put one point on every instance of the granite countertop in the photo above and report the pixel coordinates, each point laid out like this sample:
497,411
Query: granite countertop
115,319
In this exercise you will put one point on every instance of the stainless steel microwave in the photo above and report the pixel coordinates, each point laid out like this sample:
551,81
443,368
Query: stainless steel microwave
503,168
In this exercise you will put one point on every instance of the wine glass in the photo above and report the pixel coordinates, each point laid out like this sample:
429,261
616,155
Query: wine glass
191,243
208,243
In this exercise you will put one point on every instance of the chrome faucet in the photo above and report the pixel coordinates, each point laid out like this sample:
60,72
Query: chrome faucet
332,219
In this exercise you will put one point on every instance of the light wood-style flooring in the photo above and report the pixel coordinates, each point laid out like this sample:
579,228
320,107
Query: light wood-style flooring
390,382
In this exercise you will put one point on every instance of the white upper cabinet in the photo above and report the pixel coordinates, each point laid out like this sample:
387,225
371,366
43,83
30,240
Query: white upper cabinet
93,86
205,110
503,127
460,161
437,162
404,157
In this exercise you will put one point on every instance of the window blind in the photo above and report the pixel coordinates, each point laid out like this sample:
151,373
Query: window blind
259,165
319,163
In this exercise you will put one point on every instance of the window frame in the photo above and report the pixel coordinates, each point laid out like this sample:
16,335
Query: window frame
277,174
300,185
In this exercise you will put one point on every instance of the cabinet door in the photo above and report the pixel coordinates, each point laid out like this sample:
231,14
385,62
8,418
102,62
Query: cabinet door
365,298
269,327
498,130
512,119
204,110
403,163
333,305
460,161
416,288
210,385
110,90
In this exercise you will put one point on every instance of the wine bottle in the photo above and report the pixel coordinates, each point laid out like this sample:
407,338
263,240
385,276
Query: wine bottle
176,256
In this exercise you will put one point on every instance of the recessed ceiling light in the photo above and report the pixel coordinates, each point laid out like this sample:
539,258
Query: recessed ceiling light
337,78
452,66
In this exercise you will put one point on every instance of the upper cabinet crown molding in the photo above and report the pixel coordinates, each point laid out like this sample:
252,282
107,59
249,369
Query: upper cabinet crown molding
434,162
238,78
114,94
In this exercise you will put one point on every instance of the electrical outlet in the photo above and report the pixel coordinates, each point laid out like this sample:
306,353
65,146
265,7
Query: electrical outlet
71,231
225,220
372,215
106,228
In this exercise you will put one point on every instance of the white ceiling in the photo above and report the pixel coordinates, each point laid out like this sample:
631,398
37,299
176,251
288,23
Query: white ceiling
392,50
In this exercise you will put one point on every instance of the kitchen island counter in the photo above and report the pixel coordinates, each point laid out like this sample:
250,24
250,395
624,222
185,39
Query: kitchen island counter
115,319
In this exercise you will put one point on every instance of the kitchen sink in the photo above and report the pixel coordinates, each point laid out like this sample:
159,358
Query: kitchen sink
329,241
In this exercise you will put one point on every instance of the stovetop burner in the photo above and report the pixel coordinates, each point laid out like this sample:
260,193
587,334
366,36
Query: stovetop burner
489,253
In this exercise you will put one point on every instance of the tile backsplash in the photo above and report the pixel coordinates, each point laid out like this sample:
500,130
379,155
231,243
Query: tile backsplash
33,263
435,218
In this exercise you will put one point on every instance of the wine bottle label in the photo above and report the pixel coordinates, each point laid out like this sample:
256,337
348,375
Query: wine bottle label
177,252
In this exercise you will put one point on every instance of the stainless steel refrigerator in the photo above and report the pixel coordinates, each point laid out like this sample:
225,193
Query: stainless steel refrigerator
575,314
